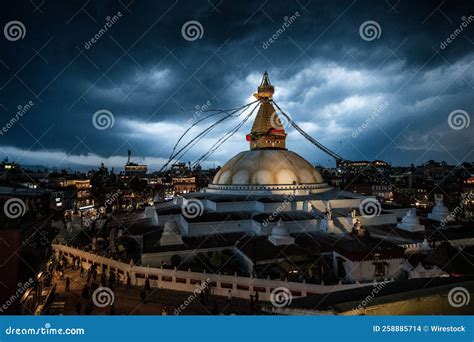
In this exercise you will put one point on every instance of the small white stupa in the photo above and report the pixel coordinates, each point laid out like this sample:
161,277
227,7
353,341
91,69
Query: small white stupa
410,222
425,246
281,235
440,212
171,234
421,272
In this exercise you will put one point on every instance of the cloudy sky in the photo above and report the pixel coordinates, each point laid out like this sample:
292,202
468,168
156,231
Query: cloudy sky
370,80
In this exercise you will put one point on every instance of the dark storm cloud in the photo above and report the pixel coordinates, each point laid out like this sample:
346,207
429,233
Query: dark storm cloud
327,77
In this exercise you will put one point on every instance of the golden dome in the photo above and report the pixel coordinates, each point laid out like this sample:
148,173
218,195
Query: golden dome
268,162
267,167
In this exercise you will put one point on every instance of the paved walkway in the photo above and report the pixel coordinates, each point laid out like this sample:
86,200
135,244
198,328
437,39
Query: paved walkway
128,301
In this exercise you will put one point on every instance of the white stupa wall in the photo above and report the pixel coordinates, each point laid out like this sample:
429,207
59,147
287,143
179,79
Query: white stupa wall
344,203
237,206
378,220
294,227
208,228
317,205
342,225
161,219
209,205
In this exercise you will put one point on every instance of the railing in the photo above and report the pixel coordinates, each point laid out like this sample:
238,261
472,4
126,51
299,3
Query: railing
268,186
187,281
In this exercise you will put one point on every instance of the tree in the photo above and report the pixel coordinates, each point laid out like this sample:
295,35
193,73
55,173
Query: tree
217,259
175,260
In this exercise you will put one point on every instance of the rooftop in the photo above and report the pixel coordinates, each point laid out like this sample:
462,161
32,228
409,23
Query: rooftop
343,301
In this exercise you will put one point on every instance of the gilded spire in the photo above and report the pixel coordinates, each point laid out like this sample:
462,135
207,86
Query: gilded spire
265,90
267,130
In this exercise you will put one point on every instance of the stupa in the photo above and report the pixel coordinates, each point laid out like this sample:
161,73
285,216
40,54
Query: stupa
264,185
171,234
440,212
268,204
268,167
410,222
281,235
